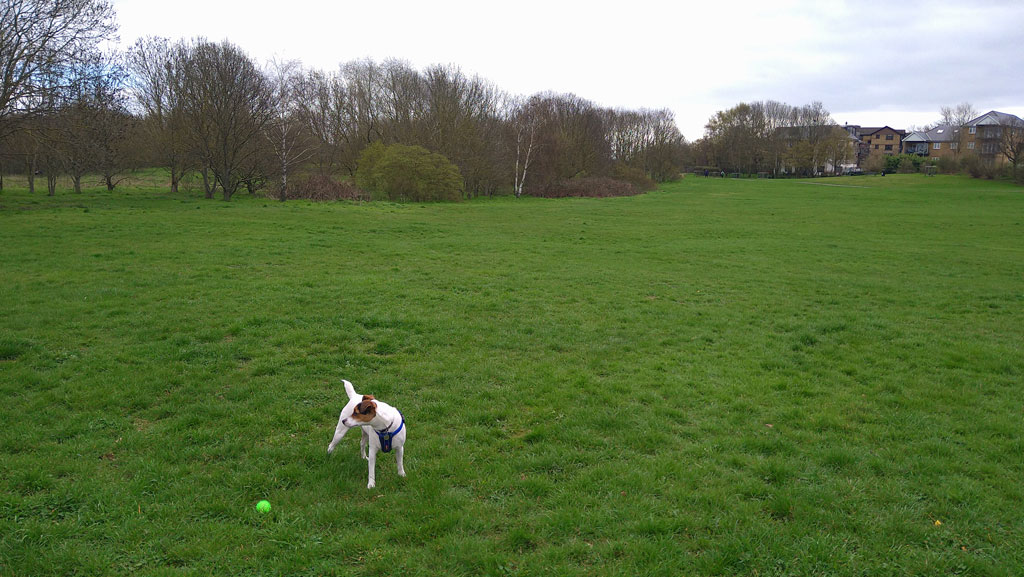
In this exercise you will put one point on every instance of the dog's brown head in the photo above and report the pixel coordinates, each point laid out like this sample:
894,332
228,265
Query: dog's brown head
365,411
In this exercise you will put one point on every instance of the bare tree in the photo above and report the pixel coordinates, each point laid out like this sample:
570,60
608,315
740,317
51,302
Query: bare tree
451,103
320,102
820,132
837,147
155,82
62,133
285,130
737,136
663,156
525,120
958,115
26,146
957,118
362,115
626,135
39,38
50,160
460,121
571,132
799,157
778,116
227,104
110,125
1011,140
646,140
583,148
403,102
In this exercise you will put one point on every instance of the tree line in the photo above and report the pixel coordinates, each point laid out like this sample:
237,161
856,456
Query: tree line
770,137
776,138
207,109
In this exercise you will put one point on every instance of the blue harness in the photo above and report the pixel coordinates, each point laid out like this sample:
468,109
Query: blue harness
385,437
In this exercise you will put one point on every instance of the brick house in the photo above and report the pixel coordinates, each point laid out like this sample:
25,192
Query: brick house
876,141
980,136
985,132
943,141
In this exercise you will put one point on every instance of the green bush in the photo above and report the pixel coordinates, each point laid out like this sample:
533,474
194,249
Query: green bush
634,176
367,165
905,163
910,163
978,167
408,173
948,165
892,163
875,163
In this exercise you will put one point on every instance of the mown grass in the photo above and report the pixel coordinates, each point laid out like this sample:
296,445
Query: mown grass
718,378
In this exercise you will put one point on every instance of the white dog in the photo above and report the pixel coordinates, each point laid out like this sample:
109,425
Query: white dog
386,421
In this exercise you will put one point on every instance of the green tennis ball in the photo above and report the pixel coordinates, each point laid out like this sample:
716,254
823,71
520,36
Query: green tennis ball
263,506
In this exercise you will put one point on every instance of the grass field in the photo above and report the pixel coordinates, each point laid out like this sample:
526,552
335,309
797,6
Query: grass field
718,378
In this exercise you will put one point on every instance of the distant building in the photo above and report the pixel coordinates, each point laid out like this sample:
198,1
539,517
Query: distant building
980,136
876,141
943,141
985,132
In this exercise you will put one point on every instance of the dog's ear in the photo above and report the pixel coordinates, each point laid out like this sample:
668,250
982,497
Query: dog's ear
365,411
367,398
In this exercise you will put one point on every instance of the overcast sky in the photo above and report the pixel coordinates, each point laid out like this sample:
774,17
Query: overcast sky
870,62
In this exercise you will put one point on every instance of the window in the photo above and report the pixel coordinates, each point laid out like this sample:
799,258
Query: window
973,130
937,146
876,147
888,147
970,145
952,145
888,137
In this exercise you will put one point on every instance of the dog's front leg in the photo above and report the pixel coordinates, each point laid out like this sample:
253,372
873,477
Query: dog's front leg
372,463
399,453
364,441
339,432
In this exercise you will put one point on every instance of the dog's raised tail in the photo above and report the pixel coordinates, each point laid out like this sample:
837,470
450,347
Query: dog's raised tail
350,390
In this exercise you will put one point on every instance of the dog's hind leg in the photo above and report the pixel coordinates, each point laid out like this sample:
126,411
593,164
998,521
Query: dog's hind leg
399,453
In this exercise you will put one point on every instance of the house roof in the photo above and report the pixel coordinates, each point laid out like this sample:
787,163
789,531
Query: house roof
868,130
941,133
994,117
